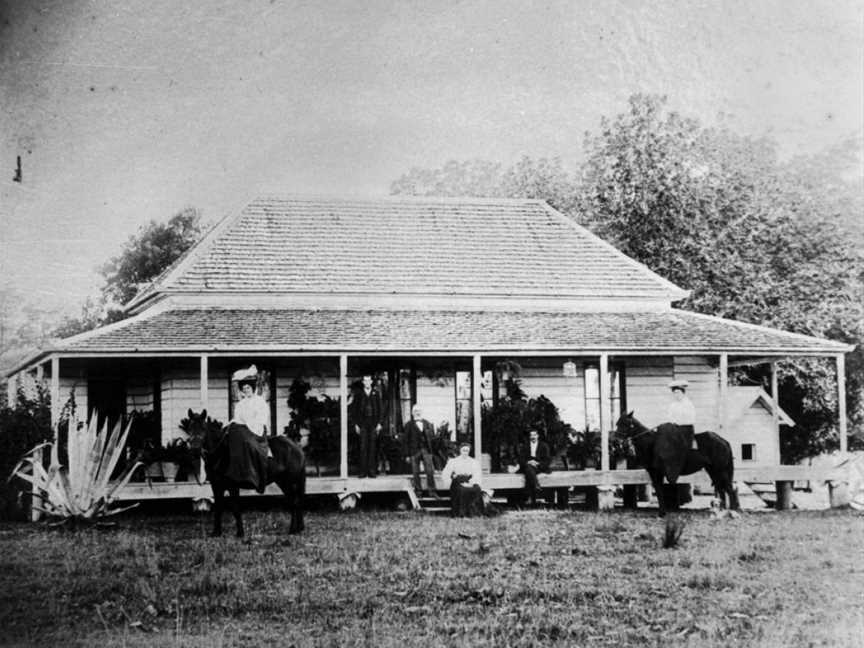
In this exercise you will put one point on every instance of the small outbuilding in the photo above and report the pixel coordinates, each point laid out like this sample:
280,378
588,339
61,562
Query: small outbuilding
754,425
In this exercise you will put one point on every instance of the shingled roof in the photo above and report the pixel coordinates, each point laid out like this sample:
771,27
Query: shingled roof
418,246
406,331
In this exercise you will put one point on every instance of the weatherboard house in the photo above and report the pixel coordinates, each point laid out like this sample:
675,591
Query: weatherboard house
435,298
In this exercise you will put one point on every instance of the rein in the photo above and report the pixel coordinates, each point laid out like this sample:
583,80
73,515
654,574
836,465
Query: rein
630,437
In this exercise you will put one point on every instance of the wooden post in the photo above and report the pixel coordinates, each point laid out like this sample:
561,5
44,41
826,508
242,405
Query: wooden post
841,402
205,380
205,399
784,495
55,419
724,389
343,416
605,411
12,391
55,394
775,396
476,377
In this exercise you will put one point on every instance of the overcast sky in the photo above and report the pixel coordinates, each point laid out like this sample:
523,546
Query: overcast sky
124,112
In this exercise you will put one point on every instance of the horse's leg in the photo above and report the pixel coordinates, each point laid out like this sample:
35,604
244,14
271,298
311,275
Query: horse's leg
234,492
657,483
218,506
297,522
674,505
720,494
734,504
294,489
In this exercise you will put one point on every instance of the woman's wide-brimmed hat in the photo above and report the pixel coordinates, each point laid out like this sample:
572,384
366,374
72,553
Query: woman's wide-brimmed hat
679,384
464,443
249,375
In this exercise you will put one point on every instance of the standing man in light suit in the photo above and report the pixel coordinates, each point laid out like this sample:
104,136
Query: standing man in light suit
419,435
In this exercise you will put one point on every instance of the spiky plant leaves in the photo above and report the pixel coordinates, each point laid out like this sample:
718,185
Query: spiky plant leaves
83,490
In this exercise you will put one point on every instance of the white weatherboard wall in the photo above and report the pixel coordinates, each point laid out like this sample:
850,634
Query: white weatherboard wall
647,387
77,386
567,393
754,425
704,389
437,400
648,393
181,391
323,377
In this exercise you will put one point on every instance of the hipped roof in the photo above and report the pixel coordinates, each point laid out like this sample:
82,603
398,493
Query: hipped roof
396,245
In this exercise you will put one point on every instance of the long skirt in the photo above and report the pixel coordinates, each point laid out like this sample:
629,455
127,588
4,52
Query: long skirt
247,458
465,500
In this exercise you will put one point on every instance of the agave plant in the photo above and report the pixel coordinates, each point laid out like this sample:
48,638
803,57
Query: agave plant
83,490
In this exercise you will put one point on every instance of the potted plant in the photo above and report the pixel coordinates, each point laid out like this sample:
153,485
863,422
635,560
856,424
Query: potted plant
172,461
583,450
316,419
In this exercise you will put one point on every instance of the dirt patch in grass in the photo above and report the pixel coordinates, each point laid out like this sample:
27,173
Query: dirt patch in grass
403,579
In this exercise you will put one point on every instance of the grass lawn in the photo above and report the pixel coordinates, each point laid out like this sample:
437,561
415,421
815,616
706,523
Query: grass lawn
406,579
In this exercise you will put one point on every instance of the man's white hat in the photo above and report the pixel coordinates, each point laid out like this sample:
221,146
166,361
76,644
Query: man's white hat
246,375
679,384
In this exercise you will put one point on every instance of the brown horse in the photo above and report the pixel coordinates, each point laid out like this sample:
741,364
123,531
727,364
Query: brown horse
663,454
287,468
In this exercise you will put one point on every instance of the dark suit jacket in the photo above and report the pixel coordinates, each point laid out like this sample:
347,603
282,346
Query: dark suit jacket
543,456
418,436
367,410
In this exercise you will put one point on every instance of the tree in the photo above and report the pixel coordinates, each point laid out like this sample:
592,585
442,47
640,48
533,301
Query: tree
543,178
144,257
754,239
718,214
146,254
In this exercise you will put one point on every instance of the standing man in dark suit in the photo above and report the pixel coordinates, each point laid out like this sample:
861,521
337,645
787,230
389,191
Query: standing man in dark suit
368,414
419,434
534,458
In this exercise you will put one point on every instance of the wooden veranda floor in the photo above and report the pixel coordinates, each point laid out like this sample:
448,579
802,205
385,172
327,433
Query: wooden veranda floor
493,481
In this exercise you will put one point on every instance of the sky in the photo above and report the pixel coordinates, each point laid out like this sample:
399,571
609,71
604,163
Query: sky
125,112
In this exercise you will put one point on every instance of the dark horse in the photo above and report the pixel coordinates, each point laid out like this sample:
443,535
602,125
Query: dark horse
287,468
664,453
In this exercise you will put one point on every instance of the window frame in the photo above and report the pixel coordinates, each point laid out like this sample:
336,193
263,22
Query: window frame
618,396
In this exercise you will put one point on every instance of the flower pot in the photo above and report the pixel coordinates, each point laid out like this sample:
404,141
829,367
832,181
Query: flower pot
169,470
153,471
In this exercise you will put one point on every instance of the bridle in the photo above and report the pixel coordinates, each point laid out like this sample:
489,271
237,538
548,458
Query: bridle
630,437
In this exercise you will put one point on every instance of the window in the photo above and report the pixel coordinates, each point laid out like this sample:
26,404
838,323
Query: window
748,452
407,394
463,406
617,398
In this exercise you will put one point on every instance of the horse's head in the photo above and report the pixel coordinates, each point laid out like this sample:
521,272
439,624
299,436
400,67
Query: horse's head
627,426
204,433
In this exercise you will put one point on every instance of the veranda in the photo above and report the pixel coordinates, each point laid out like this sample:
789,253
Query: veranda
589,389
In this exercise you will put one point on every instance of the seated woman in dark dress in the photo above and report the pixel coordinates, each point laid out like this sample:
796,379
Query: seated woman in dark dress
463,475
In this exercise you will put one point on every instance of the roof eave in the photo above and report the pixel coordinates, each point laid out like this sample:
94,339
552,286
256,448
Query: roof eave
490,349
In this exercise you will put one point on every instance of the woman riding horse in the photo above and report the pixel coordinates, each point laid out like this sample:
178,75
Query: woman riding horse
246,434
